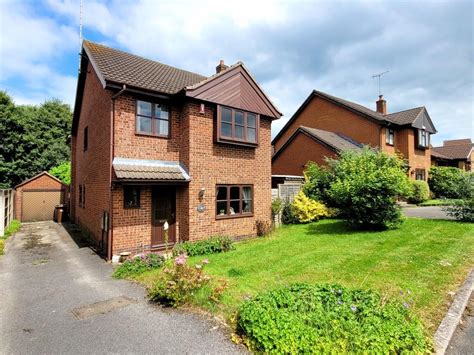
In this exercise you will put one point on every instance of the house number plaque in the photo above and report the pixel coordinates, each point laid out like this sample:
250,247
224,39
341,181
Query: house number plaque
201,207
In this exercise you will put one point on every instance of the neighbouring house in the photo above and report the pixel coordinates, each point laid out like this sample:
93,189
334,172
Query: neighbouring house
37,197
156,146
325,125
457,152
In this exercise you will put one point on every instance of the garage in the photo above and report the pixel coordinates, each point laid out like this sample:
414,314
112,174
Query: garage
36,198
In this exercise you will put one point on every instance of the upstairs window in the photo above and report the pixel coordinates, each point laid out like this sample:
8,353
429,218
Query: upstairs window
131,196
423,139
389,136
86,138
152,119
237,126
233,200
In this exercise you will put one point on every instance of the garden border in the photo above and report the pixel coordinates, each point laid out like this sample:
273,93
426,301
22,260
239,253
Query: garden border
446,329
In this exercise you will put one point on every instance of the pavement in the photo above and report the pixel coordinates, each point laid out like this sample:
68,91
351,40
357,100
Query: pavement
57,296
462,341
430,212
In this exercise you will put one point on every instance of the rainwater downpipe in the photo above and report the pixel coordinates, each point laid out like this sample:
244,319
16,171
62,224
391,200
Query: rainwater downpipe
110,234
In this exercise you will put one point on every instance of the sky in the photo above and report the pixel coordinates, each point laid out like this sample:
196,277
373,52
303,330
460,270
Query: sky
290,47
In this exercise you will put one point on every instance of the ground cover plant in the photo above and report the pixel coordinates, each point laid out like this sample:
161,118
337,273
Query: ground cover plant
306,318
12,228
216,244
138,265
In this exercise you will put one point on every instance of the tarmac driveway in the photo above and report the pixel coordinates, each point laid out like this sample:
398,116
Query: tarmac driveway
56,297
430,212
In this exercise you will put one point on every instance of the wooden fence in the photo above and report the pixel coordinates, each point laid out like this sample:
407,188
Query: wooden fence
7,203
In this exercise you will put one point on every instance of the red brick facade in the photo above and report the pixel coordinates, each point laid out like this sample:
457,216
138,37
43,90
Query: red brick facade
191,142
325,115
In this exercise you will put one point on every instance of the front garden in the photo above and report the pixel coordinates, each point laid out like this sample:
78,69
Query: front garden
366,279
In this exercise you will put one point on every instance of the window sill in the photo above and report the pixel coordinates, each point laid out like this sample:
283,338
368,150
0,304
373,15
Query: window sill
237,142
390,144
152,135
234,216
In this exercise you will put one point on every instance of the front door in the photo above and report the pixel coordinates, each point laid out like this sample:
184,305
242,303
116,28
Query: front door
163,210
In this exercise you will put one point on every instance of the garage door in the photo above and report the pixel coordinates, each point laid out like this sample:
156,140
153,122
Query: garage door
39,205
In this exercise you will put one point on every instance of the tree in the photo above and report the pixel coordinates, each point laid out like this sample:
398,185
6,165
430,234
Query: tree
33,138
449,182
366,187
62,172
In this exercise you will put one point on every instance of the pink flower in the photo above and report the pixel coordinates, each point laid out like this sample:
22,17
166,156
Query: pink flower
181,259
205,261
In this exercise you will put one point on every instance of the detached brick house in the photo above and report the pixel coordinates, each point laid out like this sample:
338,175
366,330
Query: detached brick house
458,153
325,125
153,144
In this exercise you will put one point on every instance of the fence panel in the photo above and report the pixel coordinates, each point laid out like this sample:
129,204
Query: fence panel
7,206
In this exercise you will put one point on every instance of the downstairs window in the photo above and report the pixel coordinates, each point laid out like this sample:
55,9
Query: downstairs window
234,201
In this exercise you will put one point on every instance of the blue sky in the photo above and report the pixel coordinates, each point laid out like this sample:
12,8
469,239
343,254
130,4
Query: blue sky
291,48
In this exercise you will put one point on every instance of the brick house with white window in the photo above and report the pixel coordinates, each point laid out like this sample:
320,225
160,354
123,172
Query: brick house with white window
325,125
153,144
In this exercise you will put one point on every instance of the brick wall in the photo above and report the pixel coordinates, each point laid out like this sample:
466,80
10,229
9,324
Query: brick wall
293,159
43,182
91,168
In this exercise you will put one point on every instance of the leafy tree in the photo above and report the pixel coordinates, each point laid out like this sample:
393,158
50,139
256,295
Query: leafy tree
318,180
450,182
32,138
62,172
366,187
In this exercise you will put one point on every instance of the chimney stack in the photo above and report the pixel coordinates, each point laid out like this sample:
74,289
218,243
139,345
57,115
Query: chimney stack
381,105
221,66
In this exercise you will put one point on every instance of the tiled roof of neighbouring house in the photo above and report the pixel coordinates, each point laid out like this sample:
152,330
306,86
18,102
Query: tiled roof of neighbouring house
456,149
336,140
153,170
125,68
405,117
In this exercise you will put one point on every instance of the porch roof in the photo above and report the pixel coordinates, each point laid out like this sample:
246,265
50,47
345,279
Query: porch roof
127,169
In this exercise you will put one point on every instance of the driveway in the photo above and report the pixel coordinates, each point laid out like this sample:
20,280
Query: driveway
57,297
430,212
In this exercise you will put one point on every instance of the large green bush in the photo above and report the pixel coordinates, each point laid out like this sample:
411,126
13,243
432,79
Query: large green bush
420,191
318,180
366,186
304,318
462,210
449,182
216,244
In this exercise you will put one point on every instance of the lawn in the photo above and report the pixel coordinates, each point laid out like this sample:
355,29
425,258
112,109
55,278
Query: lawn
439,202
419,263
12,228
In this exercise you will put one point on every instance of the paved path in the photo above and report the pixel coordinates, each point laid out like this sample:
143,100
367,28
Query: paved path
430,212
45,276
462,342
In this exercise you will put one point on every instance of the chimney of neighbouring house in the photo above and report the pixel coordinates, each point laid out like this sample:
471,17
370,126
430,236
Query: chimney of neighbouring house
221,66
381,105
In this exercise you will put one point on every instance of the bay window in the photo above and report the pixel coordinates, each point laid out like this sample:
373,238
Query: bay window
423,139
238,126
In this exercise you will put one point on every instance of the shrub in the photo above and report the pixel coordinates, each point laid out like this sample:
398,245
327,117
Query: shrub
420,191
307,210
462,210
366,186
217,244
304,318
62,172
449,182
277,205
138,265
180,282
287,215
318,180
263,228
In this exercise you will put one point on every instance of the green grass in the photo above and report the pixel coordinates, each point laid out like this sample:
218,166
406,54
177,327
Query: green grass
418,263
12,228
438,202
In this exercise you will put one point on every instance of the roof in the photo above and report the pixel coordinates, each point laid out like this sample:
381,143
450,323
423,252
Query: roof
149,170
38,176
455,149
401,118
120,67
405,117
337,141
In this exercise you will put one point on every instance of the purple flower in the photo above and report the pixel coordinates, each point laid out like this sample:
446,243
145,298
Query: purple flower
353,308
181,259
406,305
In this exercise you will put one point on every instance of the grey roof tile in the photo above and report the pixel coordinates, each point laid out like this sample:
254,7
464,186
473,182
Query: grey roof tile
336,140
